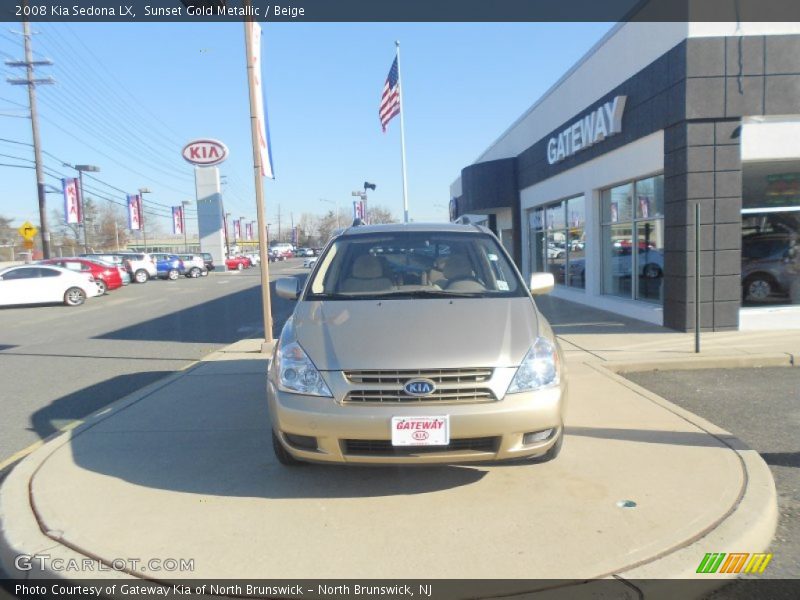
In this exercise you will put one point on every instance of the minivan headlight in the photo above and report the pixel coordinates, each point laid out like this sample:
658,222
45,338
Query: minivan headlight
296,373
538,369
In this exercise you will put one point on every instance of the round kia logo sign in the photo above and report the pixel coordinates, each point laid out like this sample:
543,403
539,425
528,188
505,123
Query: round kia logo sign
419,387
205,152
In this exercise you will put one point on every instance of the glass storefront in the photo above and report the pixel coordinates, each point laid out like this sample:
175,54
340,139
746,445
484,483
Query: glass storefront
633,240
557,240
771,233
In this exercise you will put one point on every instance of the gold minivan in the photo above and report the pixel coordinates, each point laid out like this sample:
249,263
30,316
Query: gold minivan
420,344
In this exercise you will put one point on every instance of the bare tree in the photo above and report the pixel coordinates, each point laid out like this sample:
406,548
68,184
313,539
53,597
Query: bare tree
379,214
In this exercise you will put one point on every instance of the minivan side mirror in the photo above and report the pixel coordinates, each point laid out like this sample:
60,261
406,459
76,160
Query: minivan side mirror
542,283
287,288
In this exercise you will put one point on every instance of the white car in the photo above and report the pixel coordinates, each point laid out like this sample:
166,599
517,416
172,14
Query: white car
310,262
254,258
194,265
43,284
140,265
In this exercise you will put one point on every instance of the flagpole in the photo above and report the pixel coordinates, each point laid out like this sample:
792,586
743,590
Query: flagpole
402,134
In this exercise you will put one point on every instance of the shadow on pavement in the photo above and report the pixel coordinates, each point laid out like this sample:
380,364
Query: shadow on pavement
78,405
223,320
655,436
570,318
782,459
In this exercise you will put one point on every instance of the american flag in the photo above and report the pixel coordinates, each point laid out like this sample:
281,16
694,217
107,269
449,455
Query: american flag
390,101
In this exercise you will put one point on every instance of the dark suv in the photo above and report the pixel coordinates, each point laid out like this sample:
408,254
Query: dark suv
767,265
208,260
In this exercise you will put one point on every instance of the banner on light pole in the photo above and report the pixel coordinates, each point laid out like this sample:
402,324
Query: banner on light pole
262,125
178,220
134,212
72,201
237,229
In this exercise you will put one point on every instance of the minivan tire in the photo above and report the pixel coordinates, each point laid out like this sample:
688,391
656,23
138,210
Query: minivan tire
141,276
282,454
194,273
74,296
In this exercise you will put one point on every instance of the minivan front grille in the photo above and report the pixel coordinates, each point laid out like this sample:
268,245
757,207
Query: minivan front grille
385,448
464,394
438,376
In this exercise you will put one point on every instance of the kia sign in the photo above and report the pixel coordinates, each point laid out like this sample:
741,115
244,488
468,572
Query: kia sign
205,153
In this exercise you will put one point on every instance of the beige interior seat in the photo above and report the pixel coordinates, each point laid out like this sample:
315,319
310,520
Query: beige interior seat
366,276
459,276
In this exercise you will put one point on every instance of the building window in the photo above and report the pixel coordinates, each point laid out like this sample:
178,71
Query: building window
557,240
633,240
771,233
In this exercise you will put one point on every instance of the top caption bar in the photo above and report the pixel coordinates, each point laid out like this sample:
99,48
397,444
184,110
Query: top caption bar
403,11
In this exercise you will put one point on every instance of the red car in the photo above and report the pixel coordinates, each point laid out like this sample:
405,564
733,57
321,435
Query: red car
237,263
106,275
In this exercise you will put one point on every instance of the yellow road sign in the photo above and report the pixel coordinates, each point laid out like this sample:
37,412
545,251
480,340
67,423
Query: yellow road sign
28,231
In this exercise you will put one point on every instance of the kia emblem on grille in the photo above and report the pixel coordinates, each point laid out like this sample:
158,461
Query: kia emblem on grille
419,387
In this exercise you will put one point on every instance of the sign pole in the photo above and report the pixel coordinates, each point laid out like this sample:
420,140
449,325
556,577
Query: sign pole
259,185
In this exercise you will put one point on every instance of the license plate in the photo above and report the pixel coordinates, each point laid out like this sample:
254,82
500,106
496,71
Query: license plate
420,431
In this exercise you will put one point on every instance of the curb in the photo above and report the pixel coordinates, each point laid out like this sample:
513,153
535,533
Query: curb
783,359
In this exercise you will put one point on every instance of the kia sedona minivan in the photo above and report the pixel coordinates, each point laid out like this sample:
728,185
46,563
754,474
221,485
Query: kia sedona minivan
416,344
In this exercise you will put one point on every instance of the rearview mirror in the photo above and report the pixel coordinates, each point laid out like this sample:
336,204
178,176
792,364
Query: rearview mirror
542,283
287,288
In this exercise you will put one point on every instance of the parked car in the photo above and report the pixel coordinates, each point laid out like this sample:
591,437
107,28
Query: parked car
106,275
194,264
282,251
767,265
255,259
168,266
392,374
310,262
208,260
139,264
237,263
45,284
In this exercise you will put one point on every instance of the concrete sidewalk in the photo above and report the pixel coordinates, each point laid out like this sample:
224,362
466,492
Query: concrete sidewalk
184,469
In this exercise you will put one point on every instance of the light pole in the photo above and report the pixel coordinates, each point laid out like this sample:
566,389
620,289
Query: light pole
227,242
142,192
185,203
80,169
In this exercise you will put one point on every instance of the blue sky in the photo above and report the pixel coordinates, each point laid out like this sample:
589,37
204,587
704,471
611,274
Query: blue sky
128,96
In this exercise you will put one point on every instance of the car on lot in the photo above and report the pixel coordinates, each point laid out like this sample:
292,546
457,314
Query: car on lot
45,284
253,257
282,251
237,263
309,261
106,275
388,358
194,265
140,265
302,252
768,265
208,260
114,260
168,266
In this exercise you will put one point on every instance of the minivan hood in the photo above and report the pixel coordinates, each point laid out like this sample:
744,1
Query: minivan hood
416,334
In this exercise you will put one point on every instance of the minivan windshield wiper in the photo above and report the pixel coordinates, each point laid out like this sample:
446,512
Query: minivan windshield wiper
416,293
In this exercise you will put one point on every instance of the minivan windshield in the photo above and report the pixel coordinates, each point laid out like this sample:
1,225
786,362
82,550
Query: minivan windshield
414,265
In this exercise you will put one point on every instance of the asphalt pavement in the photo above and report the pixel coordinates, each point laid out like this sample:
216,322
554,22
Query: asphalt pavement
762,408
59,364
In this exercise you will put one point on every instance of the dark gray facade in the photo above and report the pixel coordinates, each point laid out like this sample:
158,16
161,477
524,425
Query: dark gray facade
697,93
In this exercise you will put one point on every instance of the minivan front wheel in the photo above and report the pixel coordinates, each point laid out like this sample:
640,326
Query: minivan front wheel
282,454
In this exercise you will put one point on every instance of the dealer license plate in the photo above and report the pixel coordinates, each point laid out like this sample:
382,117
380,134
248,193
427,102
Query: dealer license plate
420,431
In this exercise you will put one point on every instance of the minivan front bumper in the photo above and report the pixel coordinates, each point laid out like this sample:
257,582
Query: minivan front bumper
318,429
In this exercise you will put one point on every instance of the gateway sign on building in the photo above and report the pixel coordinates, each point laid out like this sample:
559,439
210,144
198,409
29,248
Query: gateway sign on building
594,127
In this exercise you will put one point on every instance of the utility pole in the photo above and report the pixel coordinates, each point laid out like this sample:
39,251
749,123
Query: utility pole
227,242
32,82
279,223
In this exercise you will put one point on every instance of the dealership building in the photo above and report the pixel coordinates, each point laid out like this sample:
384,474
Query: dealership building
598,181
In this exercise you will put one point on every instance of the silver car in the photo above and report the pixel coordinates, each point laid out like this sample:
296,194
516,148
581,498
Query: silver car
416,344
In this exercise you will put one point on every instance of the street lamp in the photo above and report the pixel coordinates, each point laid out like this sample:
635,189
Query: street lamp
80,169
185,203
142,192
336,204
227,242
